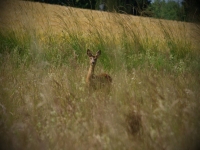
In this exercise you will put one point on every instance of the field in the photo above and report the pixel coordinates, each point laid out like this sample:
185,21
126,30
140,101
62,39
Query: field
44,101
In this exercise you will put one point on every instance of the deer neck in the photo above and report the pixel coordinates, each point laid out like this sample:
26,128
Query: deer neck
90,73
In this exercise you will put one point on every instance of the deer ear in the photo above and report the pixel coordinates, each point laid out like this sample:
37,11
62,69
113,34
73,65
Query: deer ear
98,53
89,53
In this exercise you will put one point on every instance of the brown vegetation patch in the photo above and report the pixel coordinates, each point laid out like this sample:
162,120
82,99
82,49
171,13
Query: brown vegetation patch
134,121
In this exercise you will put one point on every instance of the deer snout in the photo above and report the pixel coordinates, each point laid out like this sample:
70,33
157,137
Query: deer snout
93,61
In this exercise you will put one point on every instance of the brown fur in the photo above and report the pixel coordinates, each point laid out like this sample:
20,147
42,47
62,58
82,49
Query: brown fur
96,81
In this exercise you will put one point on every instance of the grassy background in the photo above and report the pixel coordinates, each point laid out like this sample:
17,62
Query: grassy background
44,104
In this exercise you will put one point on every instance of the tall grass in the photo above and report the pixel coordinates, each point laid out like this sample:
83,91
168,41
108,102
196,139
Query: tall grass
153,103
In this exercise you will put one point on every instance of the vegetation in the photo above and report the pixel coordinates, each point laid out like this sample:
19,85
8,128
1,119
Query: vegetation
111,5
192,10
167,10
187,10
44,104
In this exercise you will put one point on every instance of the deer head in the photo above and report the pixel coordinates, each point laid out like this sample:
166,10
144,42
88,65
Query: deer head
93,58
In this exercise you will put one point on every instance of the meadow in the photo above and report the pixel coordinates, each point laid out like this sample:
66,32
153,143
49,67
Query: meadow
45,104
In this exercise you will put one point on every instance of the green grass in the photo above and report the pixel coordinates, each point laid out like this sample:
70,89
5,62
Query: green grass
44,102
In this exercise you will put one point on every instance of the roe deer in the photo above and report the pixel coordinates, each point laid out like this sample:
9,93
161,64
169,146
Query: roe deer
96,81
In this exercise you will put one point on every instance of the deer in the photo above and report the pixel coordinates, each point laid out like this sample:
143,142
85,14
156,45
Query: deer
97,81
